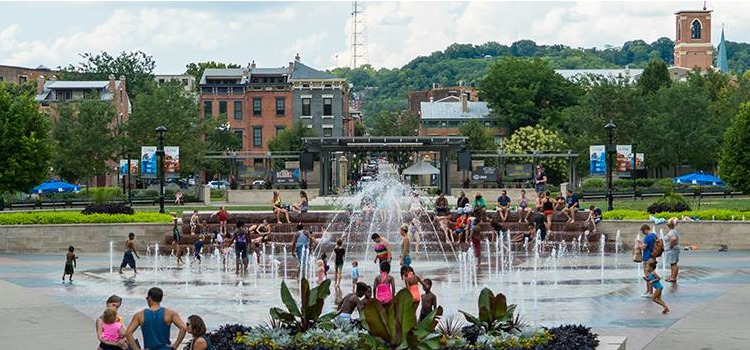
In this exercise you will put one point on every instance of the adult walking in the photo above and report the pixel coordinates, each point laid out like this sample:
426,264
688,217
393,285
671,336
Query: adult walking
127,257
155,322
382,249
239,238
540,179
302,243
647,246
672,251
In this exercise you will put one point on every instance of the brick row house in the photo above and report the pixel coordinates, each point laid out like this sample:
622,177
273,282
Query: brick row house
50,93
259,103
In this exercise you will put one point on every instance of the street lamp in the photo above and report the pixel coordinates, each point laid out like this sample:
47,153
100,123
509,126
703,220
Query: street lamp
160,131
610,152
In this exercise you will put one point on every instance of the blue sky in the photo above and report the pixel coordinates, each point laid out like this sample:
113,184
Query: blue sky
271,33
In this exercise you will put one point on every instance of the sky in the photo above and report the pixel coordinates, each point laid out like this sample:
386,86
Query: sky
176,33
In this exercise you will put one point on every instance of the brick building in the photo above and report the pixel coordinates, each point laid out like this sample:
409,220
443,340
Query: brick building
692,45
438,93
20,75
446,116
259,103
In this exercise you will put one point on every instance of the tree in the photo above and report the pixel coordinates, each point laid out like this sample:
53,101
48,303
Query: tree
654,77
394,124
679,129
734,160
84,140
196,69
219,140
538,139
25,147
480,137
137,67
290,140
524,91
171,106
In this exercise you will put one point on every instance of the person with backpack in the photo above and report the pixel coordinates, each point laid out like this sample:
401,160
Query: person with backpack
385,285
650,252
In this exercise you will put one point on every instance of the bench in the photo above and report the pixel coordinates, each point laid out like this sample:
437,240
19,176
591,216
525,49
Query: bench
53,204
22,205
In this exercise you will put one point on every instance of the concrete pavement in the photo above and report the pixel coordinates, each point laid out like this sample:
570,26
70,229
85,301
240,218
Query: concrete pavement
33,321
718,324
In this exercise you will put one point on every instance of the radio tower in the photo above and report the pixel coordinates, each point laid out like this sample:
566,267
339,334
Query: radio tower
358,40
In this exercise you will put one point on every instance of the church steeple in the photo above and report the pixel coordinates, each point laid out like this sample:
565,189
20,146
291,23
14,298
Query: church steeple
721,62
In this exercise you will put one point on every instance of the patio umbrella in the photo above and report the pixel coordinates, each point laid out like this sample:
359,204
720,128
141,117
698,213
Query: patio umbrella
700,179
55,186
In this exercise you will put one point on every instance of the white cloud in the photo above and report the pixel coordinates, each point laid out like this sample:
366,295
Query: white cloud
272,33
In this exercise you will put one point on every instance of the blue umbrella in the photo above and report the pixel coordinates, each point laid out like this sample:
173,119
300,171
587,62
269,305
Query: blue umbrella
699,178
55,186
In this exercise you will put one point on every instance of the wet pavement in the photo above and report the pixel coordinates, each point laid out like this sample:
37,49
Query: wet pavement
575,289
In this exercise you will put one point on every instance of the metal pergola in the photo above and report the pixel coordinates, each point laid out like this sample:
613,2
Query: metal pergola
500,155
325,146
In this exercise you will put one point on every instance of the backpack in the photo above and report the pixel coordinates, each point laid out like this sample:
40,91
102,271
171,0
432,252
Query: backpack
658,248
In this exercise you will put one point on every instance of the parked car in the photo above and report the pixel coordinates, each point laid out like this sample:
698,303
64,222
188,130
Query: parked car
259,183
218,184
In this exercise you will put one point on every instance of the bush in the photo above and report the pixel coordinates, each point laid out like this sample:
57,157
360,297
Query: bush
63,217
669,203
117,208
572,337
593,183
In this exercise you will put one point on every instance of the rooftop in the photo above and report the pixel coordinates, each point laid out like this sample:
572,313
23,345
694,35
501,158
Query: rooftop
610,73
452,110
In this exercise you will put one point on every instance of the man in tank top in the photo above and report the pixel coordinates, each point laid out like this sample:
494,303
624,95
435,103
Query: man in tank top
155,323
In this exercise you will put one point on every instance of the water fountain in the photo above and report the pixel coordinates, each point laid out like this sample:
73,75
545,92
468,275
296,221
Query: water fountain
111,256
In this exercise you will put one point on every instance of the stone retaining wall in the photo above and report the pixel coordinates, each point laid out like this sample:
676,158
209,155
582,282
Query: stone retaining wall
705,234
87,238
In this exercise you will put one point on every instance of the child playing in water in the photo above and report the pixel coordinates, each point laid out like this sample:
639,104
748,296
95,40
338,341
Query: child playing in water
177,251
320,271
429,300
70,264
654,280
338,254
355,274
112,330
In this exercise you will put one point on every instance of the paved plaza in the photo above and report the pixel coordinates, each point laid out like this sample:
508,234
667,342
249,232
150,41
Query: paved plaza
709,305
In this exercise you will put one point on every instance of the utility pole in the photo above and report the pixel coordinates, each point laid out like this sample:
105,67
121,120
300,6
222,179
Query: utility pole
358,39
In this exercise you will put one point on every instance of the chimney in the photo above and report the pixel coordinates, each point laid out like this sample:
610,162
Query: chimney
252,65
112,83
297,58
53,78
39,84
291,65
432,99
464,104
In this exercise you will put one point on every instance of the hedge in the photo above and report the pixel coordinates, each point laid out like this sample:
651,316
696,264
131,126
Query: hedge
709,214
62,217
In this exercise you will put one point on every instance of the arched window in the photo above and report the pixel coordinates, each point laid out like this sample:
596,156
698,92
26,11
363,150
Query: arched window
695,30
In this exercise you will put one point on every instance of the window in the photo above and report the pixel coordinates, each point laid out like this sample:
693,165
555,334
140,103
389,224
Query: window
280,106
184,82
239,135
256,106
1,78
22,79
207,108
279,129
161,81
327,132
63,95
237,110
327,108
222,108
695,30
257,136
306,107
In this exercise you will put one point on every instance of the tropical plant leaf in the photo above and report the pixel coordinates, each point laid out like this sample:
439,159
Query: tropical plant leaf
288,300
485,305
283,316
376,321
499,306
471,318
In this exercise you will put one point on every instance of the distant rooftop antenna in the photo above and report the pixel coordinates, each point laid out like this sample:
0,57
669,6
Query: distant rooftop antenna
358,39
704,6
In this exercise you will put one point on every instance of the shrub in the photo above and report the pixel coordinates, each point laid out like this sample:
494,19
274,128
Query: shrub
572,337
593,183
669,203
102,195
223,338
63,217
116,208
710,214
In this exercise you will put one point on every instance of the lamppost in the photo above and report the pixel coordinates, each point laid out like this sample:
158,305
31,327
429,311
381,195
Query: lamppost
610,152
160,131
130,197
